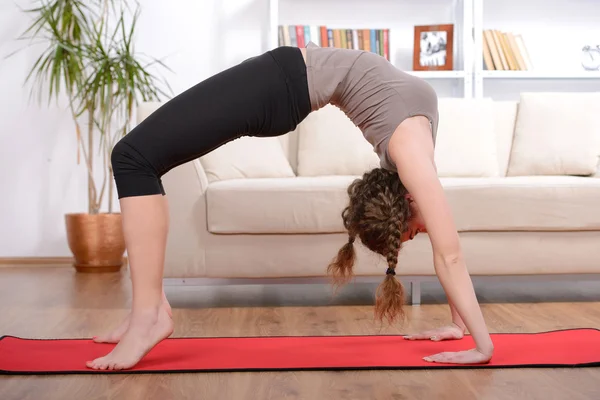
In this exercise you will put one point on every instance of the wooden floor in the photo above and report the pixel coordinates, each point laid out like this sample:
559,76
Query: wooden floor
50,302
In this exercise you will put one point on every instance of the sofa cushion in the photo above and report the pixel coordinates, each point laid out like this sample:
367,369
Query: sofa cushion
505,116
527,203
330,144
247,157
145,109
315,204
297,205
556,134
466,139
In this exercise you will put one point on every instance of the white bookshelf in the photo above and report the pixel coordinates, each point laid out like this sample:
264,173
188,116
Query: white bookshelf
553,75
439,74
537,20
382,14
554,32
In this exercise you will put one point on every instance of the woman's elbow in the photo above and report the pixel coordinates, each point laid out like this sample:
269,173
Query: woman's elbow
453,259
450,259
448,250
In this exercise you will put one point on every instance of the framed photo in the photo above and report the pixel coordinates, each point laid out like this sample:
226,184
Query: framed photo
433,49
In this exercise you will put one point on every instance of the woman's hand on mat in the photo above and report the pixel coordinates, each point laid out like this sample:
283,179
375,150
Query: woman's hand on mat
450,332
472,356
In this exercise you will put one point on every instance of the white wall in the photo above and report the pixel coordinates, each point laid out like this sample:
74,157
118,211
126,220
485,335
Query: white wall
39,181
39,178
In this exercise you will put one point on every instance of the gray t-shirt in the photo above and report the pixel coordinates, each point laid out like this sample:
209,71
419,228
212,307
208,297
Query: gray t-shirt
374,94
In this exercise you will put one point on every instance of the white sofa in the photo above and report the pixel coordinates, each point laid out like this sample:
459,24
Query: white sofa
521,178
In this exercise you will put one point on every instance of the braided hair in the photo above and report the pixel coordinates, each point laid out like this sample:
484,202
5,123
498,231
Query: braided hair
378,213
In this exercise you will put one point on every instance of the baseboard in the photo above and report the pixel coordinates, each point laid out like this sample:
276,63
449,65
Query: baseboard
37,261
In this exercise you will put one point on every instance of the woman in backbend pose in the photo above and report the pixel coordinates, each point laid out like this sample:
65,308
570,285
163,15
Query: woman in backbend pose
270,95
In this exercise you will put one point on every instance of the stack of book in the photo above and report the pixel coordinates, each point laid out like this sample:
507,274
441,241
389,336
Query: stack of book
373,40
505,51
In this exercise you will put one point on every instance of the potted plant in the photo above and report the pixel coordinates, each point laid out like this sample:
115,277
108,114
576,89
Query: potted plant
89,60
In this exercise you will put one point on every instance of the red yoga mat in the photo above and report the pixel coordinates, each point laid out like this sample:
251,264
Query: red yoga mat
564,348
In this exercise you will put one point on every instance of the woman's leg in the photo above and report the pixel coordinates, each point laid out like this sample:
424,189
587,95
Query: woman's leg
265,96
145,225
116,335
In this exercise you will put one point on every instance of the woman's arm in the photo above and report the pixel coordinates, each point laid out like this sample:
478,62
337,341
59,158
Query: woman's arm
411,149
456,319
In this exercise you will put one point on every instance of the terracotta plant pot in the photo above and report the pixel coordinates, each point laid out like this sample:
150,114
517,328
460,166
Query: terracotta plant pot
96,241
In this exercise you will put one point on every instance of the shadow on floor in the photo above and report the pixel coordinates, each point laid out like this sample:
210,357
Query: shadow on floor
364,294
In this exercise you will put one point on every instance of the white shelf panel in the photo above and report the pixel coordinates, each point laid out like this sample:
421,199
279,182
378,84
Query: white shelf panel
540,75
438,74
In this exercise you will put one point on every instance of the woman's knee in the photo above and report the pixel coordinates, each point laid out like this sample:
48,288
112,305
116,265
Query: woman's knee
133,174
119,157
125,159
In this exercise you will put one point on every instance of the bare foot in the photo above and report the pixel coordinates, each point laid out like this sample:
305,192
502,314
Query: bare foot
451,332
146,329
116,335
472,356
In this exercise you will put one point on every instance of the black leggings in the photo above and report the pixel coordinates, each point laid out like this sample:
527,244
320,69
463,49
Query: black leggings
262,96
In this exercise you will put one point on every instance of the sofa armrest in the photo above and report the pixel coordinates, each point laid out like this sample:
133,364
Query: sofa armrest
185,188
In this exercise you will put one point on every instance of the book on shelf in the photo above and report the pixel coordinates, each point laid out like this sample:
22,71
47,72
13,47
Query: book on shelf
505,51
374,40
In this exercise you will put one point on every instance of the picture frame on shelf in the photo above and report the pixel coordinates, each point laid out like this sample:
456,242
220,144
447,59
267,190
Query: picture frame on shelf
433,48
